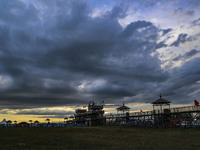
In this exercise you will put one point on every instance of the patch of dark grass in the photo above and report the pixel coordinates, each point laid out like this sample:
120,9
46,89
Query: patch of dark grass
99,138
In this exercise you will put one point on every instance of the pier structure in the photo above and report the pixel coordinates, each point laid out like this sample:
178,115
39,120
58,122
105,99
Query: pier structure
80,116
123,108
162,116
94,116
119,119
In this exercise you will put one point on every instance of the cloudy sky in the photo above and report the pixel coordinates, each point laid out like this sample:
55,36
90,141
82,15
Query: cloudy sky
57,55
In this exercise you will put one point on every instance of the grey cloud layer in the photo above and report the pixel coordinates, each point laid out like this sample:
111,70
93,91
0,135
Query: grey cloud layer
44,112
49,53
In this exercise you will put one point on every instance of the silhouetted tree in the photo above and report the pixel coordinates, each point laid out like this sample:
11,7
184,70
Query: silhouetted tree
36,122
65,120
9,121
47,120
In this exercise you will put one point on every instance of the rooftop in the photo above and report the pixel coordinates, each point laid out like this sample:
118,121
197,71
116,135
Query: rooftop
123,108
161,101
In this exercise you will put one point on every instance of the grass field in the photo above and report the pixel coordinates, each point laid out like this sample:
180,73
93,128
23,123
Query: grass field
99,138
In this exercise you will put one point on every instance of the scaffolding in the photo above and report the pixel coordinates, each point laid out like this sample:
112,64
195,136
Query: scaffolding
94,116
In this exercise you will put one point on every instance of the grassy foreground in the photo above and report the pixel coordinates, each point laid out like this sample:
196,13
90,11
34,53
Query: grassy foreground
99,138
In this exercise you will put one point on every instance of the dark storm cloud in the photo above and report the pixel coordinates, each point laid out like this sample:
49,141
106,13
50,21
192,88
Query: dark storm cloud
192,53
50,49
182,11
182,38
196,22
178,11
135,26
187,55
195,3
185,82
165,31
189,12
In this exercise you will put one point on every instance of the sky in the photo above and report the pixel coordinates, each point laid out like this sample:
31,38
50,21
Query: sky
57,55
